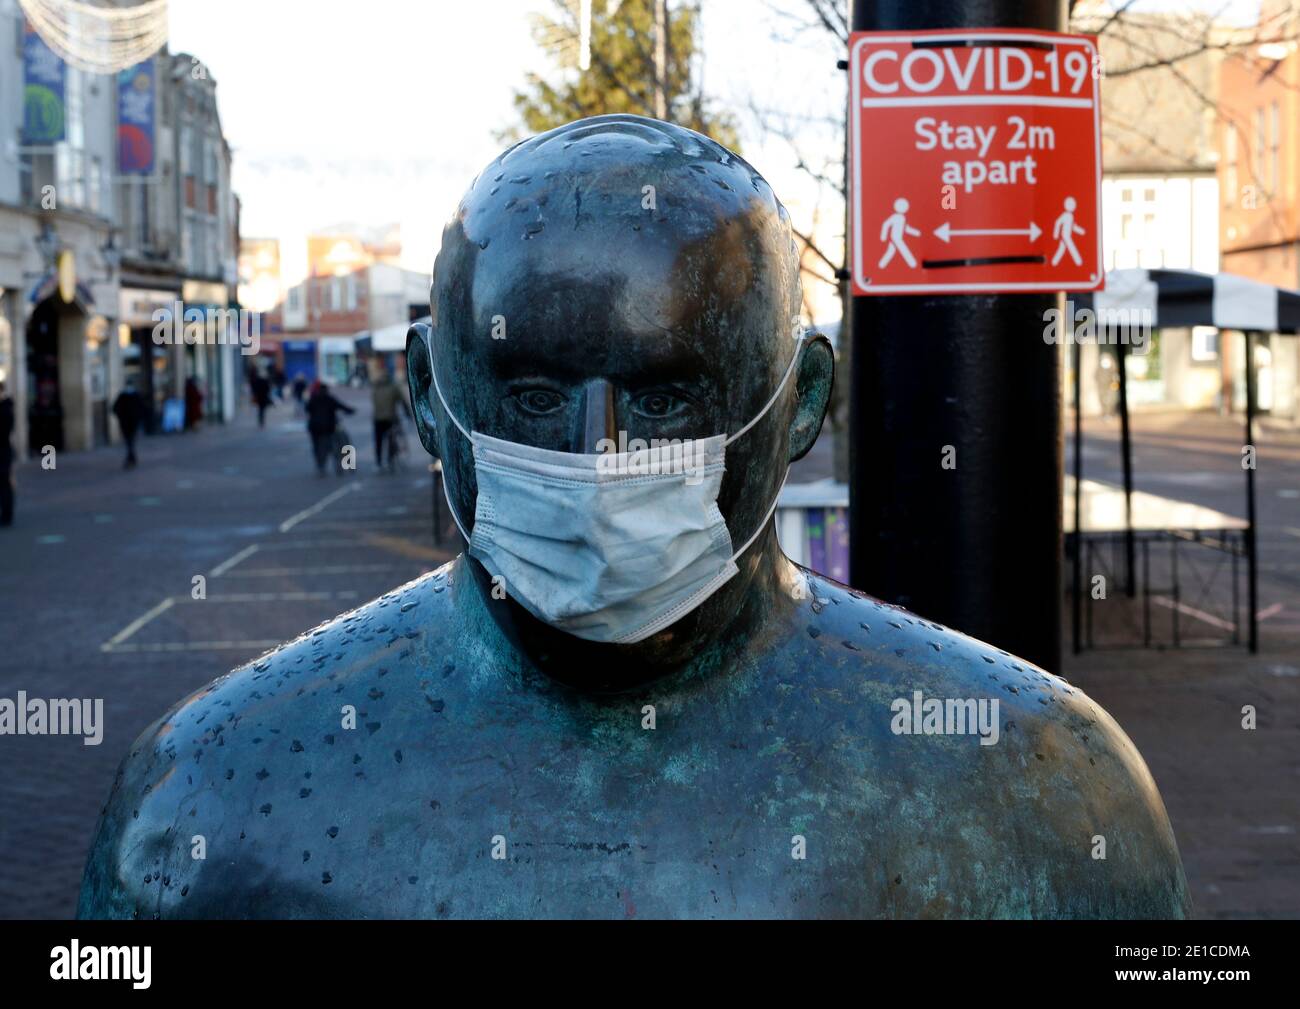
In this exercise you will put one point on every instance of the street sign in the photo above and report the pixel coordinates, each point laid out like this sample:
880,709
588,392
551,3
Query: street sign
975,161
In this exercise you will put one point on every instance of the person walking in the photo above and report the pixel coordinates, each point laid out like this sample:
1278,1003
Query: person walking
1107,384
193,404
278,382
323,424
261,390
300,393
128,408
385,397
6,457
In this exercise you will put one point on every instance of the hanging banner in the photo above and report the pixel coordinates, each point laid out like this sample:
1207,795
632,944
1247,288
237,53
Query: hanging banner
135,119
43,99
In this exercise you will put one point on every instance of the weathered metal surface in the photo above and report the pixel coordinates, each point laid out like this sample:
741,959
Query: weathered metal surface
481,730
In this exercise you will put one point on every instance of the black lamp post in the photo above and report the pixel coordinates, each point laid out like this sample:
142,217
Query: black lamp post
49,244
111,253
977,547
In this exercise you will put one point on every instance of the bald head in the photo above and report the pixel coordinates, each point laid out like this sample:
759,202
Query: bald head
621,226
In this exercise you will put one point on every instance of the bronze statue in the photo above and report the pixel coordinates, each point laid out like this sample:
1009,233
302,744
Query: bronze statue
627,701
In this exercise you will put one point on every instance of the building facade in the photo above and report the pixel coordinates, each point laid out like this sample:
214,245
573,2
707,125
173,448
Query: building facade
1160,194
323,326
104,219
58,275
1259,174
179,234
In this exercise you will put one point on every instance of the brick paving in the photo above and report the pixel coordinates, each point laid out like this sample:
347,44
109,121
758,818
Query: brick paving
1233,795
96,549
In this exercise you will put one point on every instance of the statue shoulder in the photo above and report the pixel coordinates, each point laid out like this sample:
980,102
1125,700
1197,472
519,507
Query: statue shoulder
208,765
1003,748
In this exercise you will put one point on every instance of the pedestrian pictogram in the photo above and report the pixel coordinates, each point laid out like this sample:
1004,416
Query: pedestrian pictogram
976,162
893,231
1064,231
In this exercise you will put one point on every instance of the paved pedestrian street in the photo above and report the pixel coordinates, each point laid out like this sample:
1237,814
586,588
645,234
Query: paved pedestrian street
1233,794
98,599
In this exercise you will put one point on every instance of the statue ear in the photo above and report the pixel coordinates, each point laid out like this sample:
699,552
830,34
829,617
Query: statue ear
813,388
419,379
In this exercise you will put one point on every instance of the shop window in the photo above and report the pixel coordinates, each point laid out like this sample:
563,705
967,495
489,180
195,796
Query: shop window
1205,343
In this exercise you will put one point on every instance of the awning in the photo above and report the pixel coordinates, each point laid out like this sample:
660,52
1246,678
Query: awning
389,338
337,345
1177,298
1185,298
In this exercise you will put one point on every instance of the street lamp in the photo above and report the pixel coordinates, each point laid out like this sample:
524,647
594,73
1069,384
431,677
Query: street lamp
49,244
111,253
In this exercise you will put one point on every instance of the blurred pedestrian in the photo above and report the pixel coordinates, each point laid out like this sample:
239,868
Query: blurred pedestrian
128,408
1107,378
6,457
386,396
323,425
279,380
193,404
261,390
300,391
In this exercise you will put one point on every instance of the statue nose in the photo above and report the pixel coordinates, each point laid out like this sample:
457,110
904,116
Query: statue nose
597,416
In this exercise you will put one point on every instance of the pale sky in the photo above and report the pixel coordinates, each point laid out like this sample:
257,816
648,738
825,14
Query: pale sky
385,110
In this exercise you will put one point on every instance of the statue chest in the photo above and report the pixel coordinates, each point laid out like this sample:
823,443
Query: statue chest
562,830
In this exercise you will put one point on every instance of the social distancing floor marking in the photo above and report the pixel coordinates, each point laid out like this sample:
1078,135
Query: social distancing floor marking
319,506
120,642
230,562
193,646
1209,618
326,569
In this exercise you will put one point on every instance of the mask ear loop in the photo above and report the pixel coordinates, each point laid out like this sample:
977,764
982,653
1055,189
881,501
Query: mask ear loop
768,405
759,416
766,519
433,373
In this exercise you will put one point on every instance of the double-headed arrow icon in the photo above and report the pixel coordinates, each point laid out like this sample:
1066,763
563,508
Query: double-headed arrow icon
945,232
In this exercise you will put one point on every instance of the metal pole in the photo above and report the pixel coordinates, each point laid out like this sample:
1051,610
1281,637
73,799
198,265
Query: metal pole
1126,451
1252,572
661,59
977,547
1076,355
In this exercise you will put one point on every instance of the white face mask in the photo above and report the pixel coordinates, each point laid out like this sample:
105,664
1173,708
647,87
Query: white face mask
612,547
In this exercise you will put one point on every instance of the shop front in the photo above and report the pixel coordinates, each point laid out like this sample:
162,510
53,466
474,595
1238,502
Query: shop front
338,357
150,363
211,347
299,359
68,362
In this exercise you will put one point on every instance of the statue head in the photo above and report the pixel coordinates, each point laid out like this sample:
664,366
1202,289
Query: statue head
616,279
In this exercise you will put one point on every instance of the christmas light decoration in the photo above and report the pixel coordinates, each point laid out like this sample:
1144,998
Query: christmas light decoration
100,37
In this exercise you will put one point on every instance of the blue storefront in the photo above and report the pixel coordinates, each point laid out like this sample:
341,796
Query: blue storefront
299,359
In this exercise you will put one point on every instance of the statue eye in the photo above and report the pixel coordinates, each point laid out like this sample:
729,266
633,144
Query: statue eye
540,401
658,405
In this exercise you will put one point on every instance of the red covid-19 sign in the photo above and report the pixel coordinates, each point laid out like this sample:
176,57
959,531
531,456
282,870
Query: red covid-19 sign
975,162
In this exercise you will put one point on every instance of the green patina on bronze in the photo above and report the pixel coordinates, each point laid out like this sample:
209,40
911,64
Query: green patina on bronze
772,701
